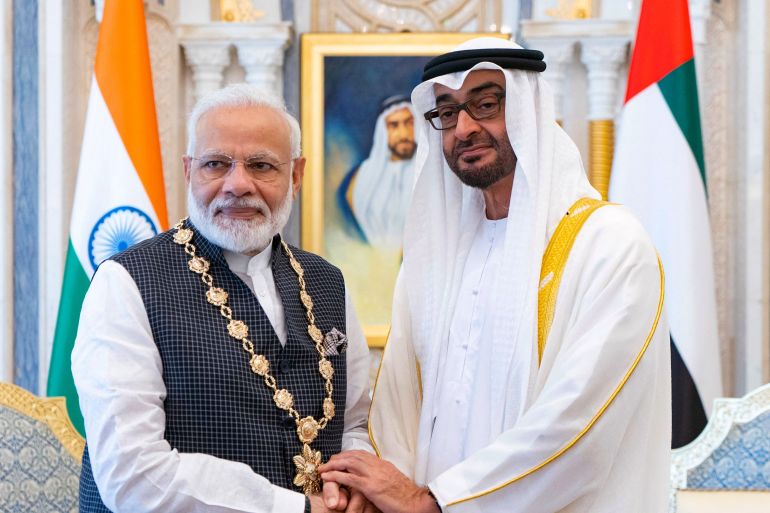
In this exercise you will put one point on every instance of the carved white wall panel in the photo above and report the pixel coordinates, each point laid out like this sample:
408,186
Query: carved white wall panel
604,58
263,62
207,60
717,104
559,54
406,15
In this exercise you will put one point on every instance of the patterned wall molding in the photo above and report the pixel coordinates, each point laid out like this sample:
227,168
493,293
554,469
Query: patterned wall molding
401,16
26,187
717,103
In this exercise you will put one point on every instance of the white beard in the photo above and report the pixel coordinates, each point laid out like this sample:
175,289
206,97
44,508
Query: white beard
247,236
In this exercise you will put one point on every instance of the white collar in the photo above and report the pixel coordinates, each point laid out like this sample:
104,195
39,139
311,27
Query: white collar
241,263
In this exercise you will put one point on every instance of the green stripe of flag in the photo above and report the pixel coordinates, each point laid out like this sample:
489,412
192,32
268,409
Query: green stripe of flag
681,93
60,382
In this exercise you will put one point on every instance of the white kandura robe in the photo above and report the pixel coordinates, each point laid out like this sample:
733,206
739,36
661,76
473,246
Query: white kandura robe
593,435
587,429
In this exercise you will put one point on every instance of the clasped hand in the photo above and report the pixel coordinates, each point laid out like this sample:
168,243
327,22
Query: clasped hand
358,482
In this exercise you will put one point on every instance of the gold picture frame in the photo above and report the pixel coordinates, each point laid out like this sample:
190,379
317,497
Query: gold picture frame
341,62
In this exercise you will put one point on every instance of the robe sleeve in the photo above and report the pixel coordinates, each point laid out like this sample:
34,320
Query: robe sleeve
396,400
605,367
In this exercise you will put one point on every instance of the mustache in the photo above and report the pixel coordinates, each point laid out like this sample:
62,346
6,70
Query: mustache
480,139
221,203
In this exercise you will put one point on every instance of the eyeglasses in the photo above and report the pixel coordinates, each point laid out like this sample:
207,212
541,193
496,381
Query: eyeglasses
481,107
259,164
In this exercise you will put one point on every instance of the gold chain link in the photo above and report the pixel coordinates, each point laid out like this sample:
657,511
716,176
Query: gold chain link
238,330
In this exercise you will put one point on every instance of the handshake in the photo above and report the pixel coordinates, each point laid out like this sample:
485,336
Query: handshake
359,482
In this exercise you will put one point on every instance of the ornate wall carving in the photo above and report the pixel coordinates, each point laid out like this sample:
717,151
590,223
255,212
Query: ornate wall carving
716,105
406,15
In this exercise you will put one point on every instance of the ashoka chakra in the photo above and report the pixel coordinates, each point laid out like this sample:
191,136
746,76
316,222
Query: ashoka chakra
117,230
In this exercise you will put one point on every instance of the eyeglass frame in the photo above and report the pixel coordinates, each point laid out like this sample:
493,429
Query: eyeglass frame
433,113
235,162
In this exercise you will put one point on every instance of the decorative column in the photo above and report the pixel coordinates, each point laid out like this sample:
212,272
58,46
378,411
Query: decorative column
559,53
603,57
263,61
208,60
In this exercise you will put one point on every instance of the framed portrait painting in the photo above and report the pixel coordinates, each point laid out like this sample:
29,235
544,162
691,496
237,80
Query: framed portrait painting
358,128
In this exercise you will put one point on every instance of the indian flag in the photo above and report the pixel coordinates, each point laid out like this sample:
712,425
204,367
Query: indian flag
119,195
659,173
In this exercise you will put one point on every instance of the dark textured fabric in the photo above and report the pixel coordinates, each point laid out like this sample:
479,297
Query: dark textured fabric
462,60
215,404
688,416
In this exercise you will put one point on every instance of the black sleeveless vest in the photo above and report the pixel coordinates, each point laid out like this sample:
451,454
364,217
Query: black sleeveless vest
215,404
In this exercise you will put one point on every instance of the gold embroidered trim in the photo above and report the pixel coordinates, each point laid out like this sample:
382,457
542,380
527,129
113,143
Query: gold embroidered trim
598,414
371,403
51,411
554,260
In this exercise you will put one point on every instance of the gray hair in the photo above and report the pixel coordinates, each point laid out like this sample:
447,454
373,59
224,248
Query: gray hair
243,95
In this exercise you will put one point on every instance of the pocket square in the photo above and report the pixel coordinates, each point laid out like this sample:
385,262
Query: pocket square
335,342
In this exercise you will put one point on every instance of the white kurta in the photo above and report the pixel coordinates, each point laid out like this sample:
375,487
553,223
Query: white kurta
594,433
119,377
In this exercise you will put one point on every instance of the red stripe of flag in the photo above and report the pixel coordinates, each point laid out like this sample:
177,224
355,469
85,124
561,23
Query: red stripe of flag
663,43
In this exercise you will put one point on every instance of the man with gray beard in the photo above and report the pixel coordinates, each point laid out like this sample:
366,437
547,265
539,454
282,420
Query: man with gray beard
217,366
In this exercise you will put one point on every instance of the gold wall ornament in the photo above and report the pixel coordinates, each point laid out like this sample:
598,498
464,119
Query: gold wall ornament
307,427
239,11
601,144
572,10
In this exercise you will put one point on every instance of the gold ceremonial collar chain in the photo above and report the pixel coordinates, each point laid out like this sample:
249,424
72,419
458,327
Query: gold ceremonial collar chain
307,427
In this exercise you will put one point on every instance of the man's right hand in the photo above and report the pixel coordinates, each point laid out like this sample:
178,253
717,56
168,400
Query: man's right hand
339,499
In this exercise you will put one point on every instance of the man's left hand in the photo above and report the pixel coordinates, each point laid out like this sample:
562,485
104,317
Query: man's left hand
380,481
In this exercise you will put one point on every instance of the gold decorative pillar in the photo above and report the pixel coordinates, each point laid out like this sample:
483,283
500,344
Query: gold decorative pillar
601,133
603,57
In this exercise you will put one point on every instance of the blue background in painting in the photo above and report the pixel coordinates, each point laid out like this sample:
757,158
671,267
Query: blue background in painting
354,87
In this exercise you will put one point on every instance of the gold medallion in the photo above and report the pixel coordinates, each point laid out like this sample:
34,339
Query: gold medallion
307,302
307,430
283,399
315,333
237,329
259,364
198,265
183,236
328,408
325,368
307,465
216,296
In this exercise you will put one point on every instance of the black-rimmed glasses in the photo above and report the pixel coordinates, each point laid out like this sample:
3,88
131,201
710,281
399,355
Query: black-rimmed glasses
484,106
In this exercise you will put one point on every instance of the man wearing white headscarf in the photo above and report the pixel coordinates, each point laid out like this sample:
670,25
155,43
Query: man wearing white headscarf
376,194
495,394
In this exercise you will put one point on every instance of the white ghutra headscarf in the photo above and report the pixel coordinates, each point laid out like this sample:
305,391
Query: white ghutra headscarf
383,188
442,222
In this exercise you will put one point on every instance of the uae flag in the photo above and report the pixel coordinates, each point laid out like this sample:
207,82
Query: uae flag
119,195
659,173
